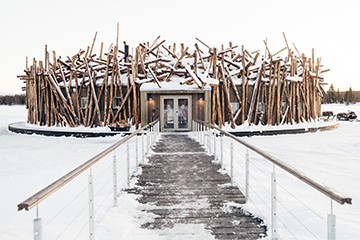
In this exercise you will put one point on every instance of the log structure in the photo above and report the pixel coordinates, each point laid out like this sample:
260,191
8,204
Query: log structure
101,89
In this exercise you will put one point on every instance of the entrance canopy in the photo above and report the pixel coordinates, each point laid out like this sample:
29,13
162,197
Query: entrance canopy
174,107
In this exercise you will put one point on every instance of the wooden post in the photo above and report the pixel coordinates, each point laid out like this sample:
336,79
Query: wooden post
227,95
218,108
243,91
134,90
93,93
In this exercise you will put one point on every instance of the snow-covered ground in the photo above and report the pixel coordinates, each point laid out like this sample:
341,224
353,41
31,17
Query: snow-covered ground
29,163
331,158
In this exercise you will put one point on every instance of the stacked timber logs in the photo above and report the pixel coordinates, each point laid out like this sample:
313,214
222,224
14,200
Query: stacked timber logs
99,90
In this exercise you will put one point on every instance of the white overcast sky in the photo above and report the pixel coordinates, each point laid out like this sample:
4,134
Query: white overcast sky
331,27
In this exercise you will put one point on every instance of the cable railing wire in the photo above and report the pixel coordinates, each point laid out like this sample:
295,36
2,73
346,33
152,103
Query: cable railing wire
224,157
301,202
66,206
73,220
297,219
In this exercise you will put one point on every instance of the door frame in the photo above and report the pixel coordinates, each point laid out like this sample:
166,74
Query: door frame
175,98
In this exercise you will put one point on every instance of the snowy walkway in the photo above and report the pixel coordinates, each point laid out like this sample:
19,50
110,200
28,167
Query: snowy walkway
184,187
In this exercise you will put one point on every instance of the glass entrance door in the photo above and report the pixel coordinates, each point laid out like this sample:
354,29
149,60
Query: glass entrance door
176,113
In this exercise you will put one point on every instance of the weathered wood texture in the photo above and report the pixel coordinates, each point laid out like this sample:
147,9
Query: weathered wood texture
181,184
86,89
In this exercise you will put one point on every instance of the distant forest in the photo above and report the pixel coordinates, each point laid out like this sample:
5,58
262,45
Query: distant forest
332,96
18,99
335,96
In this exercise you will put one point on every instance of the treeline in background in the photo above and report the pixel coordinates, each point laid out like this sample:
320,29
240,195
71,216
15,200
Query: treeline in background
18,99
332,96
336,96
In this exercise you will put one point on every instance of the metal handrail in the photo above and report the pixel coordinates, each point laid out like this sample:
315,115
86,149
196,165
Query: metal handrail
56,185
303,177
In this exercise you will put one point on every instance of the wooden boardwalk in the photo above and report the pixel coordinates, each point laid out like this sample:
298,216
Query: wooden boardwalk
181,184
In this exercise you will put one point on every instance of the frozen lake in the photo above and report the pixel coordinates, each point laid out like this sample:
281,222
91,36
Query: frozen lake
29,163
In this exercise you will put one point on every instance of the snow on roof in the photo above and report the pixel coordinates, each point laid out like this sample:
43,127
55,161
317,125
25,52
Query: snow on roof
176,83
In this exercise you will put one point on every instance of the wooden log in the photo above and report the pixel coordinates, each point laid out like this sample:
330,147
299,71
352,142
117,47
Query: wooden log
155,47
134,90
69,100
232,84
195,62
254,98
129,106
278,94
154,42
174,49
77,97
224,51
273,95
198,51
197,81
298,100
175,66
269,97
287,45
214,62
47,103
213,103
267,49
227,95
204,44
105,84
297,51
113,88
232,63
87,108
231,52
218,108
221,83
279,51
122,105
101,50
154,76
170,52
35,94
243,88
93,93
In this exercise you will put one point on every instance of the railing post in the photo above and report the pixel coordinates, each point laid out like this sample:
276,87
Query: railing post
273,205
198,131
128,164
136,152
247,174
209,140
215,158
147,142
150,137
142,148
37,226
232,162
153,135
114,180
221,150
331,223
91,207
202,134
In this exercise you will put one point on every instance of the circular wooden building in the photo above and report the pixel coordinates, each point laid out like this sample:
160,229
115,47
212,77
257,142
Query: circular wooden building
175,84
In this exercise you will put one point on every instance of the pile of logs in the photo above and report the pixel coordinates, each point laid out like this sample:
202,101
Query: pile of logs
270,88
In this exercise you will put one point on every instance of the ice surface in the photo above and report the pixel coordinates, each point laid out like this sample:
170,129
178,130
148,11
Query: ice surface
29,162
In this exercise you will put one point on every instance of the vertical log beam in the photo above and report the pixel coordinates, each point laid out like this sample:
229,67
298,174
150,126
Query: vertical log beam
135,101
243,92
